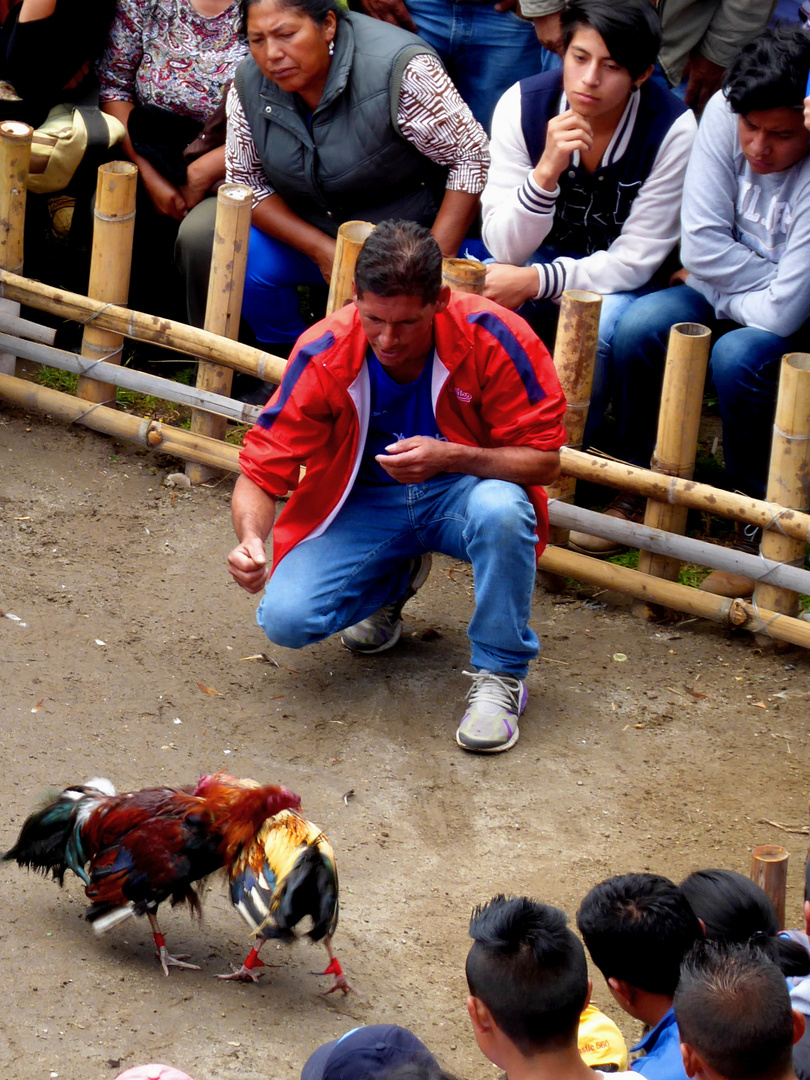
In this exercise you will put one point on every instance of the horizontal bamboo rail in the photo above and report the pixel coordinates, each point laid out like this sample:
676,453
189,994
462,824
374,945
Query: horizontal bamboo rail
719,609
141,327
678,547
141,430
24,328
672,489
130,379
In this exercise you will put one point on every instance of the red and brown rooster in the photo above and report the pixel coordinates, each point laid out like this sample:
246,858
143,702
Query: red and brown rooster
136,850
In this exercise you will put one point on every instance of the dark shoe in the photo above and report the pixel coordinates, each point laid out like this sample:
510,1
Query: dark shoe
382,630
628,507
724,582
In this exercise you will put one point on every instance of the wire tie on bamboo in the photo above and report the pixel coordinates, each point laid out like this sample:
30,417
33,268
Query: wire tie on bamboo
763,626
95,314
790,438
113,217
93,407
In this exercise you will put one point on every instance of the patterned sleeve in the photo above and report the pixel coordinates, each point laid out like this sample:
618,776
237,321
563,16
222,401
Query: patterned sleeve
242,164
123,52
433,117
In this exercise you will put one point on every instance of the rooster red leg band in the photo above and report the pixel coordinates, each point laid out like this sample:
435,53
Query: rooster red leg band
334,967
160,941
253,960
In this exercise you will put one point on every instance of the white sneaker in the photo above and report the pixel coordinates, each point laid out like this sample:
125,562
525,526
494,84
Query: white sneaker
490,723
383,629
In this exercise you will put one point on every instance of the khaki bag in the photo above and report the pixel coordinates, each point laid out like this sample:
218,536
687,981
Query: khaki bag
58,147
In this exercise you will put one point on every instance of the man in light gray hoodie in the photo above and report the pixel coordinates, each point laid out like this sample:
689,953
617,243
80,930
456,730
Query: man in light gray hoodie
744,245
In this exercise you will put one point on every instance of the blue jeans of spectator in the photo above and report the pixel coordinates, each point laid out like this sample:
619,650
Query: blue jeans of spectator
274,272
361,563
744,367
543,315
485,51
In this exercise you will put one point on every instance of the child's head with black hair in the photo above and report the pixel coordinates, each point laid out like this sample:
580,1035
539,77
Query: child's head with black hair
527,973
734,1015
734,908
638,928
631,30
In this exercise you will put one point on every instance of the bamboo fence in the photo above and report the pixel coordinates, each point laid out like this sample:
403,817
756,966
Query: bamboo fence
668,486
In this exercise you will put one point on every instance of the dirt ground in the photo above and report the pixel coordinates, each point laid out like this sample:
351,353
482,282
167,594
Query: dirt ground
132,656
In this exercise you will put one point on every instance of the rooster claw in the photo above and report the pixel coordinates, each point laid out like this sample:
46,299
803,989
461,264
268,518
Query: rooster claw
340,983
167,961
242,974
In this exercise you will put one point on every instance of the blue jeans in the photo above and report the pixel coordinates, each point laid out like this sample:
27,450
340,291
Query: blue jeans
274,272
744,367
485,51
361,563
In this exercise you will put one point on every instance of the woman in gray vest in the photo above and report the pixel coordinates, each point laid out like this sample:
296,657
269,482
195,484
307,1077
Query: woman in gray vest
334,116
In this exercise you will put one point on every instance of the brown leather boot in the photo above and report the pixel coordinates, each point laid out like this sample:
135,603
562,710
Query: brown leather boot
628,507
724,582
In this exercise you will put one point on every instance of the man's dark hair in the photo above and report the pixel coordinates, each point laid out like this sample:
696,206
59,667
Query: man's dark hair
529,970
400,258
734,908
631,30
770,72
638,928
733,1008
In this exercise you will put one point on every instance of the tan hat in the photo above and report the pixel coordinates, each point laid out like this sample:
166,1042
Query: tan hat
536,9
600,1041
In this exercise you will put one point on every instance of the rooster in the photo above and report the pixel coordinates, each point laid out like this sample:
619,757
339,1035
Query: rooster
134,851
287,872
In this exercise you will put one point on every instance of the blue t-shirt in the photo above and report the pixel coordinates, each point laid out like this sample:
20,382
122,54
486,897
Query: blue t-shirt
662,1060
398,411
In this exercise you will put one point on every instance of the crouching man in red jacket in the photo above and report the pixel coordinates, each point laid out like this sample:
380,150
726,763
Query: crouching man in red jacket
427,421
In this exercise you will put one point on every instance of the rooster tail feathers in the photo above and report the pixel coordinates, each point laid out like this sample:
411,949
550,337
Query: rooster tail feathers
49,840
311,889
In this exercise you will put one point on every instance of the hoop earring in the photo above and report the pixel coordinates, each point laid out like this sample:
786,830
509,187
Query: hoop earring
331,48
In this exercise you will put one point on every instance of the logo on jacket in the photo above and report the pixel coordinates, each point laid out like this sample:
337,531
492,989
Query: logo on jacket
463,395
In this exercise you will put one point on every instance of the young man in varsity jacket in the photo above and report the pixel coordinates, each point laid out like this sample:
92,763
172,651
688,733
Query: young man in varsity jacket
587,168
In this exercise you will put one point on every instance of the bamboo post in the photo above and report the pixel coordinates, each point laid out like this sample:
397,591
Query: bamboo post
769,866
788,476
676,443
464,275
574,359
350,238
15,158
226,286
110,262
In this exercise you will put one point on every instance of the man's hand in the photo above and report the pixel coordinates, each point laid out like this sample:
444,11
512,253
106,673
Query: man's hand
511,286
565,133
414,460
679,277
247,564
165,196
549,32
390,11
704,80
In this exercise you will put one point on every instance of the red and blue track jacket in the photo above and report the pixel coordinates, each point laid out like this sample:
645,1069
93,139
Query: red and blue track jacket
494,384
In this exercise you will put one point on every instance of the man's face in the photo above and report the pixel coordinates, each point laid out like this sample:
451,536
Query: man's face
400,329
773,139
595,85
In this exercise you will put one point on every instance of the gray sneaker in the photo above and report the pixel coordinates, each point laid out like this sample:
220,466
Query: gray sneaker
383,629
496,702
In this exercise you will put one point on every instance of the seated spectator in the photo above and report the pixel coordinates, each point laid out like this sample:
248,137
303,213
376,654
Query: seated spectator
484,46
373,1053
638,928
733,1012
587,170
334,116
733,908
746,225
699,38
800,984
162,75
528,982
48,50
